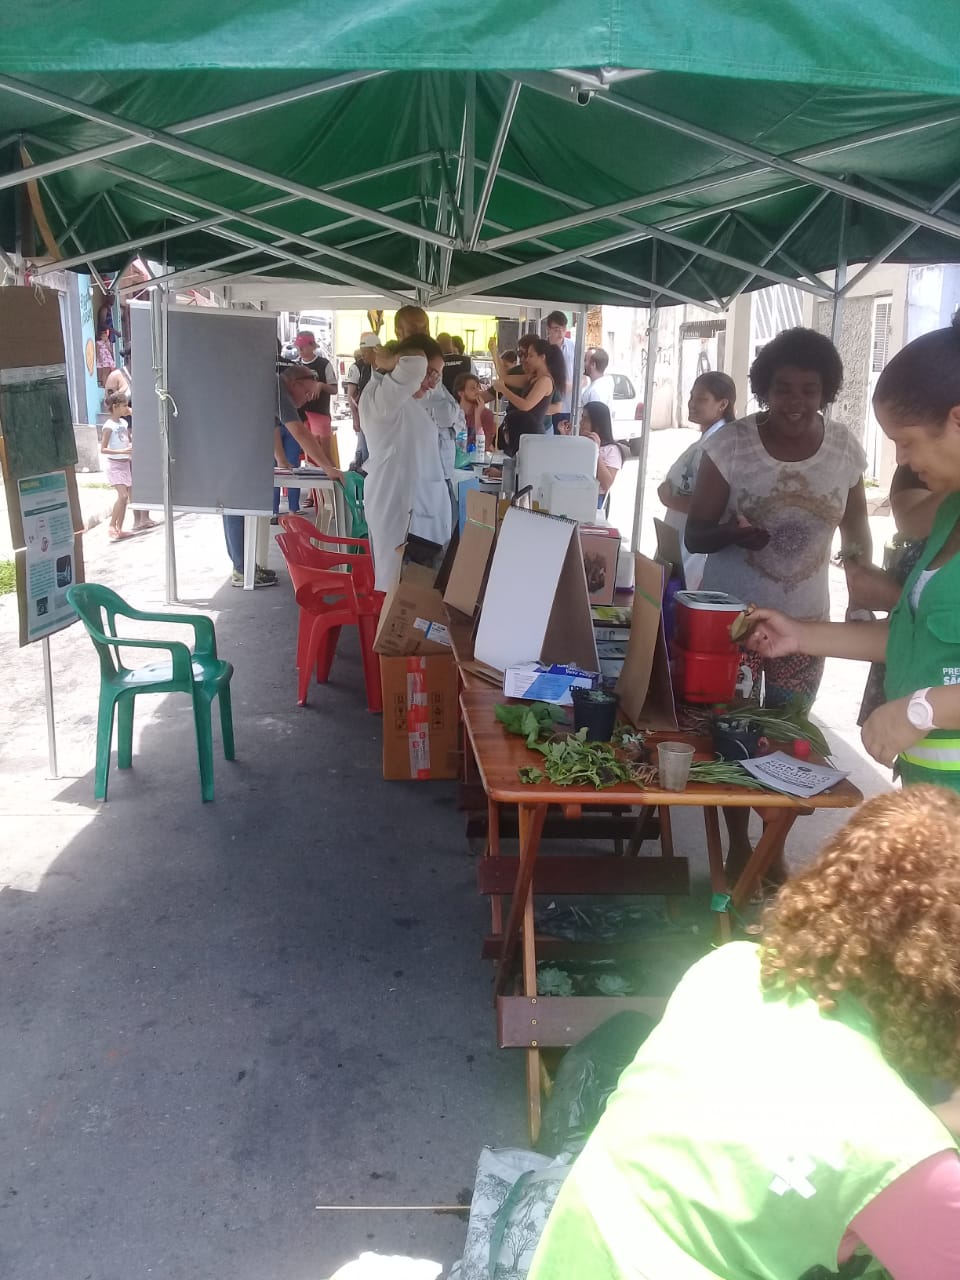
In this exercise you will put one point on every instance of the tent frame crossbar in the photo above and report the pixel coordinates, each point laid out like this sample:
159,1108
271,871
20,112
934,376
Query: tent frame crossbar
777,246
764,162
108,149
170,142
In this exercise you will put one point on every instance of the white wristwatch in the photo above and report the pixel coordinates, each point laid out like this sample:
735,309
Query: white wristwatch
920,711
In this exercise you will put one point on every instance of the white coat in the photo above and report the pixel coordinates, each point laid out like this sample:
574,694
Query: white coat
405,486
445,410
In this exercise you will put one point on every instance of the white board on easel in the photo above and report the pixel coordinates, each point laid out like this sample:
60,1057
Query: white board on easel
536,606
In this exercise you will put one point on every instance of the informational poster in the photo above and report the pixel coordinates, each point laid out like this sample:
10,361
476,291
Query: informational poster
49,567
38,453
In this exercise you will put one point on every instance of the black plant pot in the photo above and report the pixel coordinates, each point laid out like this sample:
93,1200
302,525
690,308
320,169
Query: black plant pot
596,711
736,739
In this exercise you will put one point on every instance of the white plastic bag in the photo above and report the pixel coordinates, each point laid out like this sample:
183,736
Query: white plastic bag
512,1198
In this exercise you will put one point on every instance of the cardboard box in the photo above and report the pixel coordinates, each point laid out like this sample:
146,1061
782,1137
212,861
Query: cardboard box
412,620
468,574
601,548
646,694
421,738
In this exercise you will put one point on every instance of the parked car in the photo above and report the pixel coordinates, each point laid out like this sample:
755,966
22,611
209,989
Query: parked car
627,409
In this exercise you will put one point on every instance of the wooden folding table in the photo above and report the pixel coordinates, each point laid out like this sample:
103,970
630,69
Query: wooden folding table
531,1021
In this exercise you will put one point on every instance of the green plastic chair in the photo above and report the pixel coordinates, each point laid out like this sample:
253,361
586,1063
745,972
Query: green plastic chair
198,672
353,493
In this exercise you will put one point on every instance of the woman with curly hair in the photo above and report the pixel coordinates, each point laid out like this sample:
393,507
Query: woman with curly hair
771,491
917,403
767,1129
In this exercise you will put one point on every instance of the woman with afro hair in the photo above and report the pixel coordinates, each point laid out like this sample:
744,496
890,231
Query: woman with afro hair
773,1126
771,491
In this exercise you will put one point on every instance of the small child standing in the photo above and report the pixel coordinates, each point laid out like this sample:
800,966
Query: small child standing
116,445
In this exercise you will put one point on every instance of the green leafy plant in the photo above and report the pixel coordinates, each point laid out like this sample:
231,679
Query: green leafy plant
724,773
8,577
532,720
574,762
786,724
552,981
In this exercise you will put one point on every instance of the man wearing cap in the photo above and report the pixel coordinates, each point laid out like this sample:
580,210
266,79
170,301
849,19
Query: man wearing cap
316,413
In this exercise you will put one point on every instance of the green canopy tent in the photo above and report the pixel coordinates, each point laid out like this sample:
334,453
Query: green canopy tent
696,149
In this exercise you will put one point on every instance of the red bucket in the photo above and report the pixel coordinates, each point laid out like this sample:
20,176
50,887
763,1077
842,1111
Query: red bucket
703,620
705,677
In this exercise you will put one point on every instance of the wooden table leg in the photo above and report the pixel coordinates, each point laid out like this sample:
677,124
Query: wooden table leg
493,851
768,847
718,877
667,851
530,990
531,826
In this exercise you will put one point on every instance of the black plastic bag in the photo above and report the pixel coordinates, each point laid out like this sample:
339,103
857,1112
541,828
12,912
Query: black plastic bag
587,1075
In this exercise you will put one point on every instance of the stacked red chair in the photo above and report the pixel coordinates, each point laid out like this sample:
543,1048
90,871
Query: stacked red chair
333,585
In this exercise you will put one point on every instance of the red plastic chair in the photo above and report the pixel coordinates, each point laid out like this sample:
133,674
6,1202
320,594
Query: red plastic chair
329,600
352,553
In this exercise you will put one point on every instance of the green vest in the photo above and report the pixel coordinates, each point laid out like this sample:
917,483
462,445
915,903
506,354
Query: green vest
746,1135
923,650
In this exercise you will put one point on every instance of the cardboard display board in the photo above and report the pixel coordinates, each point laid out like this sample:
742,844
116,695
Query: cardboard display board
223,380
669,551
468,573
38,454
644,688
535,607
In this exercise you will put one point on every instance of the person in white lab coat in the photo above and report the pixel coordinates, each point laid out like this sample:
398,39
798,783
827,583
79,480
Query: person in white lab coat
405,486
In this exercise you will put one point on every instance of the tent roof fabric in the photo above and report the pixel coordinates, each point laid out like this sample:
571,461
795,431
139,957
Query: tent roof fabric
884,44
715,145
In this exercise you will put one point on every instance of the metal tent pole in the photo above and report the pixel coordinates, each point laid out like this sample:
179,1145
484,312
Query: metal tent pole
159,315
648,386
836,319
48,704
580,346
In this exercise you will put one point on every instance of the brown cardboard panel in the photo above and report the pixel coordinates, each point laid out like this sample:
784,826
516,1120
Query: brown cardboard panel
669,551
646,695
30,332
467,576
420,717
570,636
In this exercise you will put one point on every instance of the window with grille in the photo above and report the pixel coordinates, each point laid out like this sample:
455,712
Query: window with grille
882,311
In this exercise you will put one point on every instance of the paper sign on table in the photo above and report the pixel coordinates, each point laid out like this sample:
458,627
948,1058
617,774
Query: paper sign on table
792,777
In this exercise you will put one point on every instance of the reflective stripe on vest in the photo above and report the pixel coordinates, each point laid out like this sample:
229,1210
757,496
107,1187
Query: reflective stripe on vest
940,754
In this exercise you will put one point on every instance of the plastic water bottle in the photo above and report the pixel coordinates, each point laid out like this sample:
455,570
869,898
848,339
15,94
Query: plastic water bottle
462,439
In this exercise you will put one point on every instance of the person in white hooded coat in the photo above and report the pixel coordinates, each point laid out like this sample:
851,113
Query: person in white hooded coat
405,485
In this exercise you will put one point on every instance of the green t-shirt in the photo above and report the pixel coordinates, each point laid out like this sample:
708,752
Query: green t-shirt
747,1134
